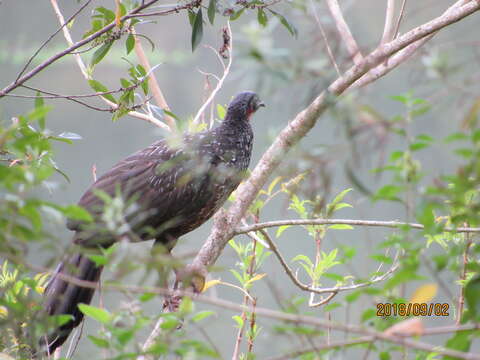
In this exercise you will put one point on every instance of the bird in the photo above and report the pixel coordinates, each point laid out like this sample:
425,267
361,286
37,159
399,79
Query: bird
171,187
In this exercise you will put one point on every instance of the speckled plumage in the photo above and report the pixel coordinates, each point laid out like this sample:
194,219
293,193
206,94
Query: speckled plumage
173,186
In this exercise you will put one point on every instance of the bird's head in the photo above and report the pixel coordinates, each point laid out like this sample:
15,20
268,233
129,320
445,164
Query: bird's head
243,106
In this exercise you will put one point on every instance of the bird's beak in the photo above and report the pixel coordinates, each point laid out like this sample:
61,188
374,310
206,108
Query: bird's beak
261,104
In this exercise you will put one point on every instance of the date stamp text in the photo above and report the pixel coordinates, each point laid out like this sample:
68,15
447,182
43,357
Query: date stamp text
414,309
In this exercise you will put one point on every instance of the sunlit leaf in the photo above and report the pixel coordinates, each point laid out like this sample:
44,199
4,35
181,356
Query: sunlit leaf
210,284
101,315
424,294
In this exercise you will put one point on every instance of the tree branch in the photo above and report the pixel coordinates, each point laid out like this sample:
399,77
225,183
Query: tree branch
314,290
226,71
401,56
226,221
83,69
153,83
389,29
372,223
344,31
278,315
75,14
71,48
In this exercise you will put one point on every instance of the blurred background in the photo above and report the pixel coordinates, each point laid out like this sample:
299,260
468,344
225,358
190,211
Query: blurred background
287,72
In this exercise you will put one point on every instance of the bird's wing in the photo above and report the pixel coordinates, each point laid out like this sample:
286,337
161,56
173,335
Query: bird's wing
159,177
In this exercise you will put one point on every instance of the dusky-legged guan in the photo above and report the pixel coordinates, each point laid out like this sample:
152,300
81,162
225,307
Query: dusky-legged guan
170,188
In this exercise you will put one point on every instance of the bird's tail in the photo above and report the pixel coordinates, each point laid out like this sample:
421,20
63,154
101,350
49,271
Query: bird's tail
63,296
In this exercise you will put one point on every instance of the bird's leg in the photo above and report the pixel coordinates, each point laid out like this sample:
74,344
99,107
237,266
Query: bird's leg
164,260
191,276
162,257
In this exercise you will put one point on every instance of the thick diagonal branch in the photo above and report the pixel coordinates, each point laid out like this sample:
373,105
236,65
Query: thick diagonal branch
226,221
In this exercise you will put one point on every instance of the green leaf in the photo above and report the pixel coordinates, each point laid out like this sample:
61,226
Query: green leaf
340,196
101,315
466,153
100,53
130,43
281,229
238,320
341,227
125,83
236,14
197,29
384,356
221,111
418,146
60,320
381,258
212,7
99,260
424,138
420,111
76,212
368,314
107,14
461,341
147,297
292,29
99,87
472,295
455,137
39,103
388,192
262,17
102,343
401,98
38,113
186,306
331,307
170,322
202,315
169,113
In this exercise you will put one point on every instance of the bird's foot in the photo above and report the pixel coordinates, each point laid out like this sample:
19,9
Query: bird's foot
172,303
192,276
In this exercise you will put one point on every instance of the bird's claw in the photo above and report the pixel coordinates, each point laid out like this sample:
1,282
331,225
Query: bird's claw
192,277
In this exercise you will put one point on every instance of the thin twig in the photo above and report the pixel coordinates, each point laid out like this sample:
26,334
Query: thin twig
373,223
389,28
404,54
399,20
219,85
314,289
344,31
59,96
273,314
332,345
64,23
463,276
83,68
325,39
153,83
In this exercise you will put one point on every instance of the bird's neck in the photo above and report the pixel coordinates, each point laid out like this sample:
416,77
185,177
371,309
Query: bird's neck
233,123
